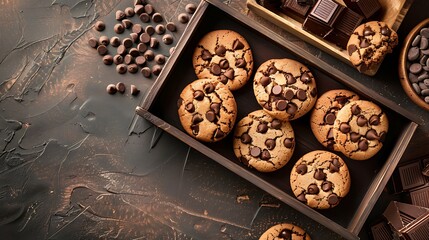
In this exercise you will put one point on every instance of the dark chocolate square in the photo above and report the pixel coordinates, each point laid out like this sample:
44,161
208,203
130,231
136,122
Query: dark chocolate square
321,19
411,176
420,196
347,22
381,231
366,8
295,10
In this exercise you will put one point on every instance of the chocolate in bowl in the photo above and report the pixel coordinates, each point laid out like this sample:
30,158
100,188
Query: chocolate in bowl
405,66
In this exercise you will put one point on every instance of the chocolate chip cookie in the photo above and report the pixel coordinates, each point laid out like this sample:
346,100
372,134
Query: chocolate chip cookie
263,142
207,110
224,55
285,88
360,129
325,112
285,231
369,44
320,179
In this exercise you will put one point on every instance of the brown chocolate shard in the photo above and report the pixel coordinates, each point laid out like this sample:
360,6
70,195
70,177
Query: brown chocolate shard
366,8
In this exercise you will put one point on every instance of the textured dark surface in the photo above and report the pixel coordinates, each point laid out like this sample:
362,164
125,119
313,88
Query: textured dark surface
74,166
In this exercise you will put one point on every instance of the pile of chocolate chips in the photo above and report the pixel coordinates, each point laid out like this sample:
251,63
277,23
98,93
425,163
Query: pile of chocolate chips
136,43
418,64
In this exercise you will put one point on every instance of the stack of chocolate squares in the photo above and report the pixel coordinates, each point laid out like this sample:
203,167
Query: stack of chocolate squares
329,19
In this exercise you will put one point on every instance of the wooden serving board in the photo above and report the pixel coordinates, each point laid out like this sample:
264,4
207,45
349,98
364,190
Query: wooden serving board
393,12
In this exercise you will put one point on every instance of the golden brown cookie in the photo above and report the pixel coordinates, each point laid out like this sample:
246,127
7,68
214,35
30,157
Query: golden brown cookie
207,110
325,112
285,231
224,55
320,179
285,88
263,142
360,129
369,44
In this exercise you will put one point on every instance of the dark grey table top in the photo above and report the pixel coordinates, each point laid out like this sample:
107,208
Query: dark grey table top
76,163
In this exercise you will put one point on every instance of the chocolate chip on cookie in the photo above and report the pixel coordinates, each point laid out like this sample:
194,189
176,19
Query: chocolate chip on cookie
286,231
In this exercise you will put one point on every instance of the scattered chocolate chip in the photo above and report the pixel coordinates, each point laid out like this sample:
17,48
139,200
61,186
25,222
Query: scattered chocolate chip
276,90
134,90
209,88
108,59
195,129
215,69
237,45
301,95
289,142
190,8
127,42
291,108
363,145
361,121
198,95
141,47
319,174
386,31
355,110
229,73
240,63
220,51
133,68
111,89
121,68
119,15
197,118
371,134
122,50
156,69
149,30
171,51
128,59
190,107
290,79
102,50
118,59
330,118
354,137
215,107
281,105
149,55
160,59
333,199
171,26
144,17
301,197
344,127
351,49
276,124
289,94
333,168
374,120
312,189
99,26
93,42
140,60
129,12
245,138
265,81
367,31
265,155
364,43
160,29
183,18
285,234
270,144
262,128
272,70
326,186
305,78
104,40
255,151
148,8
157,17
210,116
115,42
134,37
145,38
120,86
146,72
301,169
223,63
206,55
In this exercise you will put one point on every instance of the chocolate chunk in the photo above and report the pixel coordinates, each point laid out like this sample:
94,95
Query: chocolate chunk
99,26
146,72
198,95
206,55
134,90
215,69
104,40
220,50
224,64
301,95
197,118
322,17
229,73
361,121
133,68
157,17
255,151
355,110
160,29
119,15
128,59
160,59
240,63
190,8
386,31
289,142
301,197
330,118
374,120
312,189
111,89
301,169
156,69
305,78
190,107
149,30
210,116
120,86
333,199
215,107
288,95
364,43
209,88
371,134
118,59
290,79
265,81
366,8
363,145
237,45
351,49
276,124
333,168
148,8
281,105
171,26
245,138
265,155
102,50
144,17
183,18
195,129
354,137
154,43
291,108
262,128
115,42
367,31
319,174
108,59
285,234
326,186
93,42
121,68
294,9
149,55
276,90
344,127
167,39
270,143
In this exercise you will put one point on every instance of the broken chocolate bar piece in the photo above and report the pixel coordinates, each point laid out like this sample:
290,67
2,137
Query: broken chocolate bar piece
270,4
296,9
420,196
366,8
344,27
321,19
381,231
411,176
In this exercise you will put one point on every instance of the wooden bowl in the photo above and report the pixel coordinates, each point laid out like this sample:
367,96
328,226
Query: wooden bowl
403,71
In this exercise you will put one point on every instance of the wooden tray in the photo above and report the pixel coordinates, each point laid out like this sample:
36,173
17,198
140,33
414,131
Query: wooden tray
393,13
368,177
